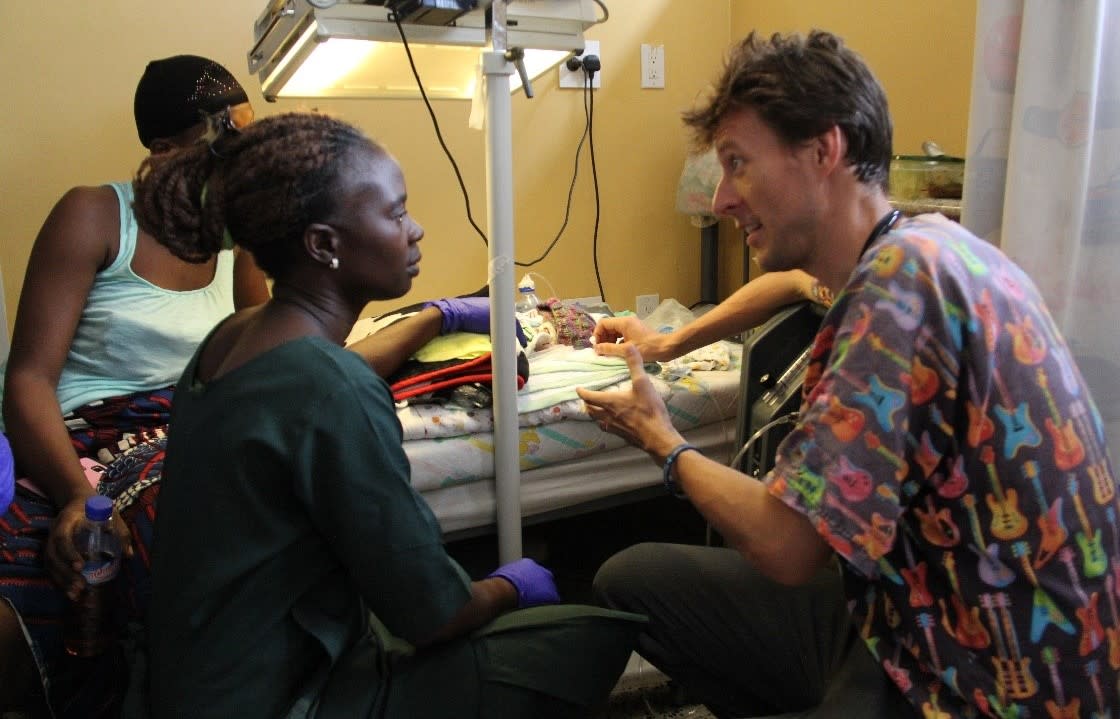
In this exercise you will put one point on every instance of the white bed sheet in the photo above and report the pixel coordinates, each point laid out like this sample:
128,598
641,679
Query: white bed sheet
565,459
569,486
699,399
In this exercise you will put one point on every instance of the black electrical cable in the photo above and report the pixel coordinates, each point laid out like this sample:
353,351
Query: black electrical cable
439,134
595,183
587,134
571,189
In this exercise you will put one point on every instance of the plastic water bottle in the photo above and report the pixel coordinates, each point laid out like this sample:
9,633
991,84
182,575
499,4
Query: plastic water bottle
526,303
89,628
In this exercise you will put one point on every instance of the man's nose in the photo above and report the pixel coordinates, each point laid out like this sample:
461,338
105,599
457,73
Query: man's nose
725,199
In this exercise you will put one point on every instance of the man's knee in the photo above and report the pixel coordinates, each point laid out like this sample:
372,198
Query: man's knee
624,574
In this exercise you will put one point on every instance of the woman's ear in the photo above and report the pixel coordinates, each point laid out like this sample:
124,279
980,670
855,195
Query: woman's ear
321,243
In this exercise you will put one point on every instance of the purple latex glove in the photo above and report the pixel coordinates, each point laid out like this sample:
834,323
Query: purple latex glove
468,314
533,582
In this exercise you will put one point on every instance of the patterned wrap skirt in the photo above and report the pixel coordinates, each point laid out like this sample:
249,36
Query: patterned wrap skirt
120,442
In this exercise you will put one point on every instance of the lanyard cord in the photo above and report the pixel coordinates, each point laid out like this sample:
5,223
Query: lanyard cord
882,227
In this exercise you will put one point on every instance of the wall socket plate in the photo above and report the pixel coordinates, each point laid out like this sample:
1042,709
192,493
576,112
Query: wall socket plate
577,79
653,66
644,305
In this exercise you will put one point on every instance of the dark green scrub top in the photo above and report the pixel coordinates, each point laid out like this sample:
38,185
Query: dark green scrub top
286,516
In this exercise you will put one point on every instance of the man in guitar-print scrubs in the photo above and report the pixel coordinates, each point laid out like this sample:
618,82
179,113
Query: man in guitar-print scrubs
948,459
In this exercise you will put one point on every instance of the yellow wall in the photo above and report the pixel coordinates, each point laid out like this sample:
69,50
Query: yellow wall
920,51
69,70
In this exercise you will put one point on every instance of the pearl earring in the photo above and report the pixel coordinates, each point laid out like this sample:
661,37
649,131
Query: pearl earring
333,264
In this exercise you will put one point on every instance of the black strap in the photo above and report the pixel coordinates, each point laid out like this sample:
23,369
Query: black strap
882,227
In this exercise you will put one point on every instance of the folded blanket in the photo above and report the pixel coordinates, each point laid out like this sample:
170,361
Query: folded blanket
555,374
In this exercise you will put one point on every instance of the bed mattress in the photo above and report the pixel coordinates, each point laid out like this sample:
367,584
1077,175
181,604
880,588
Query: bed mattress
566,460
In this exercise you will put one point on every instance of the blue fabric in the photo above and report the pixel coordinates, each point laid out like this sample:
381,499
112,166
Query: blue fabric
7,472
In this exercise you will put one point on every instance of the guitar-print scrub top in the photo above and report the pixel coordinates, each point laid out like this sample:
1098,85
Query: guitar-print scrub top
951,455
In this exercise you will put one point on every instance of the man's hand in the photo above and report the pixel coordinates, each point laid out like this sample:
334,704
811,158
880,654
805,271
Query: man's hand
638,415
613,333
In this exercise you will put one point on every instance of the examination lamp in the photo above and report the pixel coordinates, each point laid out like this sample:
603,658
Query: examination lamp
350,48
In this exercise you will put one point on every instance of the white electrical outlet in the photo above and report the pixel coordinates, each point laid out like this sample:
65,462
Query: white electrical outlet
644,305
577,78
653,66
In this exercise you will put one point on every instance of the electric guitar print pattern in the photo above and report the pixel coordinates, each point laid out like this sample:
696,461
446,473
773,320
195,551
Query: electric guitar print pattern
971,499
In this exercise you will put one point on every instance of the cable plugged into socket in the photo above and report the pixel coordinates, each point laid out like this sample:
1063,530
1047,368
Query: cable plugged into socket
588,63
581,65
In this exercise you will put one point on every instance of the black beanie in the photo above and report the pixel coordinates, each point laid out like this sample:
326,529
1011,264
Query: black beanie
175,92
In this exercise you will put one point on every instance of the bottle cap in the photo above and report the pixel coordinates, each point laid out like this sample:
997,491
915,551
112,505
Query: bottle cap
99,508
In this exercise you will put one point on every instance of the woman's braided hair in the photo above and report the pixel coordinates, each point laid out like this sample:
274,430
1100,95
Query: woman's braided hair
262,186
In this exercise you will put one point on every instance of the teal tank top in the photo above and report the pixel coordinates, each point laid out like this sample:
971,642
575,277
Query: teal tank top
132,335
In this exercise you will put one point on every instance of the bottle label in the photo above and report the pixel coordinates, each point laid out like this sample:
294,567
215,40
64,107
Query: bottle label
102,569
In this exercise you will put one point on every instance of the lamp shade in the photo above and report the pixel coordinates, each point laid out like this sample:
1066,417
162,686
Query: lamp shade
351,48
697,186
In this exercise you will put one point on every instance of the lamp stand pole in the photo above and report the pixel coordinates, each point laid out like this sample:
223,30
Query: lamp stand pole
499,191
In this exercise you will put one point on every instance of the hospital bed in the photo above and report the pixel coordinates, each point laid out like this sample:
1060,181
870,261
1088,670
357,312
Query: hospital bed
568,465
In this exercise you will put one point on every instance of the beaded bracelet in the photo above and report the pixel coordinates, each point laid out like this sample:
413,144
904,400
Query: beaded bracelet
667,469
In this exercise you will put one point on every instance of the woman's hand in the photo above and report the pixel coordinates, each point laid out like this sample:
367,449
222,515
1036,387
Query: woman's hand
638,415
469,314
534,583
64,562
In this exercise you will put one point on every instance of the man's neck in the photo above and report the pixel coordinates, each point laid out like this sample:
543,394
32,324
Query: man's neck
851,218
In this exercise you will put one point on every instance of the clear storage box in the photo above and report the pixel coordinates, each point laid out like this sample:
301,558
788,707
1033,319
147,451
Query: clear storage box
919,176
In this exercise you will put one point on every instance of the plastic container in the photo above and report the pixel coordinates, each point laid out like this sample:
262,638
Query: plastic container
526,302
89,628
916,177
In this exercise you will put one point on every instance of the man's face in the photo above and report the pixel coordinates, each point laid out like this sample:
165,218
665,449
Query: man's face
770,189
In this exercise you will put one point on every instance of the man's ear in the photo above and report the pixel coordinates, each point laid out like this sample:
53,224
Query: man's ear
321,242
830,148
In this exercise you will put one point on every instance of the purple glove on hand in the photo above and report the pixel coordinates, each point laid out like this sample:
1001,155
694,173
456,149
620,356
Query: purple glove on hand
468,314
533,582
463,314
